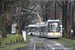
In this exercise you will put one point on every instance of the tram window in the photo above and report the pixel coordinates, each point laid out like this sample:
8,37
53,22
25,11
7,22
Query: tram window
42,29
32,29
52,27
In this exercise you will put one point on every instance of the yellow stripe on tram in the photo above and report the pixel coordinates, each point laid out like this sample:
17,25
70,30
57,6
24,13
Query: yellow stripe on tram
53,34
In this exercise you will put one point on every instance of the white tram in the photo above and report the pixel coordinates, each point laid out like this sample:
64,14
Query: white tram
53,28
31,30
43,29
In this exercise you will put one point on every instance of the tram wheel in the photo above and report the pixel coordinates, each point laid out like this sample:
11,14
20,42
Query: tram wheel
31,34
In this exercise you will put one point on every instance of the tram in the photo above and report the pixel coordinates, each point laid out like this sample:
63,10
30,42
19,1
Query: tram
43,29
53,29
37,29
31,30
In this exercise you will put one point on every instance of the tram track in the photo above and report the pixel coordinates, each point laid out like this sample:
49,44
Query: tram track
44,46
48,44
52,45
39,45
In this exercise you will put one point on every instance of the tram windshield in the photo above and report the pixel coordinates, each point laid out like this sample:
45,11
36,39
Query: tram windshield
53,27
32,29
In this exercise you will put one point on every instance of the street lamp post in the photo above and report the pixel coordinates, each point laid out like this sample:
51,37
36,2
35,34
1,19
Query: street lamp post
34,13
37,15
21,19
55,9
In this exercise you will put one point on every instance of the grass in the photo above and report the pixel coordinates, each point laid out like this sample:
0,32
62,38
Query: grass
38,43
8,40
14,47
11,35
68,40
13,38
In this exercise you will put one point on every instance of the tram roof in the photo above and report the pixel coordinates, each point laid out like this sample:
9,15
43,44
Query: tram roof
53,21
41,24
33,25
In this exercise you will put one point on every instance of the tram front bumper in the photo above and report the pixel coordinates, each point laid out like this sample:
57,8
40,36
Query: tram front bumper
53,36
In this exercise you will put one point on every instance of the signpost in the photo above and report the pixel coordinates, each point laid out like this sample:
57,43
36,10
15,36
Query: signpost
13,30
24,35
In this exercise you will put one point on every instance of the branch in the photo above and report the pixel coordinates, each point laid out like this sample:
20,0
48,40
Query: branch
64,4
59,4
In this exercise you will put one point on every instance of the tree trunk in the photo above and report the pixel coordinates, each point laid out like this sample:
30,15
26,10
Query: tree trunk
68,23
65,19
